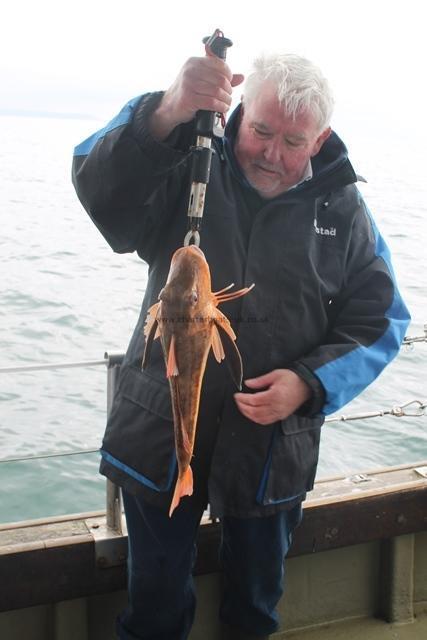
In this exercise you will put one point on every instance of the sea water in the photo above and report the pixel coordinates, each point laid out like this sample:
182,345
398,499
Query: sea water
66,297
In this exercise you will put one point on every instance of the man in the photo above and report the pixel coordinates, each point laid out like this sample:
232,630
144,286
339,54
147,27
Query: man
323,320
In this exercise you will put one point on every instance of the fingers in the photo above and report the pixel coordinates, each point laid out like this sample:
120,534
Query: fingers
259,407
285,392
256,409
255,399
206,84
262,381
207,95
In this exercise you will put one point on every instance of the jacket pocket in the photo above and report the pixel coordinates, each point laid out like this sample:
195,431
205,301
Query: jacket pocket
139,438
292,461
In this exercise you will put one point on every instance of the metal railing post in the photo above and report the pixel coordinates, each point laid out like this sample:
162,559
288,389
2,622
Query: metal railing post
113,493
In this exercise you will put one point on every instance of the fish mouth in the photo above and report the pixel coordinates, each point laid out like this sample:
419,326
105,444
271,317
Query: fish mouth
191,249
196,249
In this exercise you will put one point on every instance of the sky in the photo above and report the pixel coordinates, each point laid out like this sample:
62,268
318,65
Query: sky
91,56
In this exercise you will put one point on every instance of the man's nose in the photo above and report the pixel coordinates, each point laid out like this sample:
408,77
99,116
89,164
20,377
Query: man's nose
272,151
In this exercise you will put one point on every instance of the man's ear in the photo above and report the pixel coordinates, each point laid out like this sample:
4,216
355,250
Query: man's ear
241,112
320,140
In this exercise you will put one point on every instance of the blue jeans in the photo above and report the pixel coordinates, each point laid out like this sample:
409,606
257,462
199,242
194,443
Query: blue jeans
162,551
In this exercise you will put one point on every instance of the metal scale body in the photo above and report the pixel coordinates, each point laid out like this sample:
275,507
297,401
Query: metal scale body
208,124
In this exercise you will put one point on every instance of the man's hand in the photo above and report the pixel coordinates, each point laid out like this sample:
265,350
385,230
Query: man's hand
203,83
283,392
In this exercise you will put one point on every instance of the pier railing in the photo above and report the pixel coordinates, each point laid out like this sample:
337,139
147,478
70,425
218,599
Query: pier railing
113,363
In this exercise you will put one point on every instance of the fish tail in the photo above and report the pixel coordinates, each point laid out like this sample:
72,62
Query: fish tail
183,487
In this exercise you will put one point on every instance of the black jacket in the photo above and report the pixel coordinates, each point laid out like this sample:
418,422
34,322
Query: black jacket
325,304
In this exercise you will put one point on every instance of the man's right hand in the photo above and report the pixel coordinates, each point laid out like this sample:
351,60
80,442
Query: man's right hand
203,83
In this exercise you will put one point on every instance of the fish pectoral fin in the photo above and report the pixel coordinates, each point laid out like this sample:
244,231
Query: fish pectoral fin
217,347
151,318
183,487
151,332
172,366
227,338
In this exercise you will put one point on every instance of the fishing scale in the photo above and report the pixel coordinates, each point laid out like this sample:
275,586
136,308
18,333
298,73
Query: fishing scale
207,124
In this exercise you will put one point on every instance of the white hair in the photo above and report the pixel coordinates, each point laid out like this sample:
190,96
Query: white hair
300,85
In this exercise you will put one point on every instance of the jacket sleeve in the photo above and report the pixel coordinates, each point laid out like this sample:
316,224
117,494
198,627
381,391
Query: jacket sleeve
119,171
368,322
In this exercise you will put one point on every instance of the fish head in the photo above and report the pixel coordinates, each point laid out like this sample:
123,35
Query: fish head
188,286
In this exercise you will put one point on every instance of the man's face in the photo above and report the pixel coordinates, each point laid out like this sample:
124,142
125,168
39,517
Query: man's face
273,148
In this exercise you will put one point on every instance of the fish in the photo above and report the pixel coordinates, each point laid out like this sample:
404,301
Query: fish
189,325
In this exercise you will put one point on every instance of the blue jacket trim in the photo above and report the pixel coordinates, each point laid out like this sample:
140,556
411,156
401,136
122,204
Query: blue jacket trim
138,476
120,119
365,363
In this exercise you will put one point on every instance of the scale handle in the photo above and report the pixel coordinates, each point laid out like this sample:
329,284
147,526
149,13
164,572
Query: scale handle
217,44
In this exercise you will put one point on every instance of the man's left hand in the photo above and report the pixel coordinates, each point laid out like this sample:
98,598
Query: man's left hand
283,391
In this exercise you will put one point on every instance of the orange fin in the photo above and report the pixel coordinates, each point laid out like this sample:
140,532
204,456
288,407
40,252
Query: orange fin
186,443
228,343
172,367
183,487
217,347
224,297
222,322
151,331
216,293
151,318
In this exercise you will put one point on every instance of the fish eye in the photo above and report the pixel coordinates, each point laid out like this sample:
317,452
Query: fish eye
194,297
